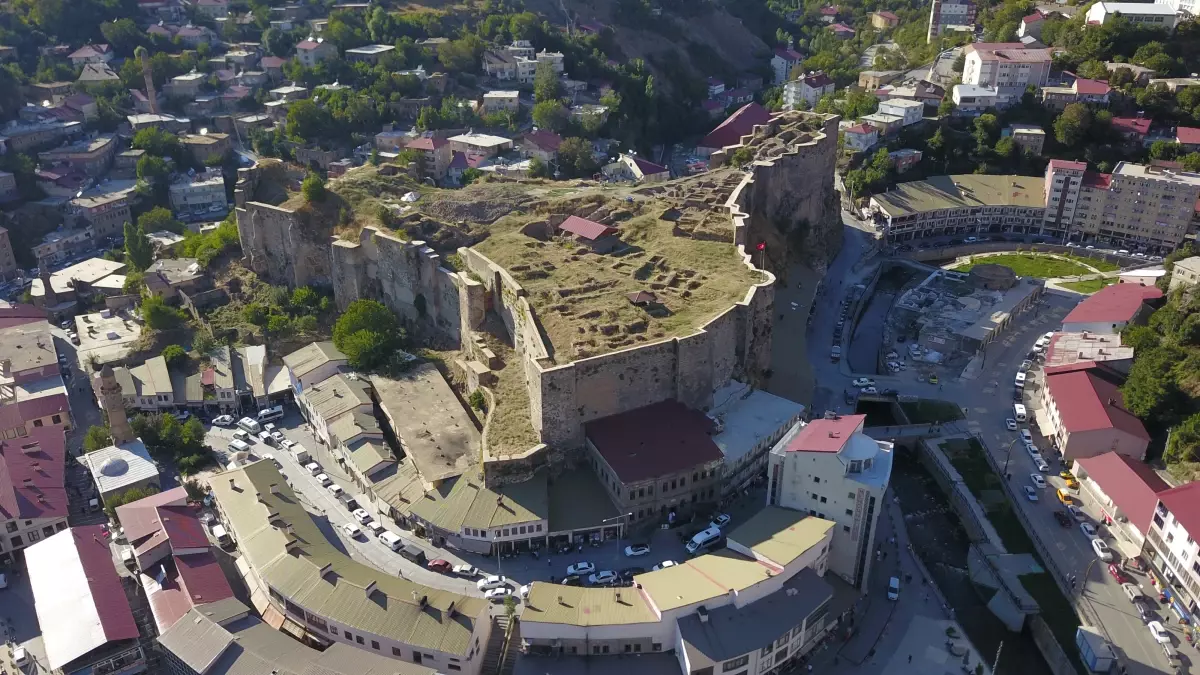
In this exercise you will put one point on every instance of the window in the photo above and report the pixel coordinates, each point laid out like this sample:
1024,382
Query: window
595,649
631,495
522,528
728,665
845,528
767,650
396,651
628,648
539,527
814,496
453,666
375,645
695,477
816,479
57,419
849,512
506,531
850,496
823,500
10,526
47,531
34,536
348,635
782,641
674,484
37,423
358,639
657,646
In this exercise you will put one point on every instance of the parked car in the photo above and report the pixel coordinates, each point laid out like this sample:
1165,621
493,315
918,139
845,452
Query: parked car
868,390
864,382
1115,572
1041,464
361,515
1027,437
224,420
636,550
1088,530
324,480
1037,480
277,436
352,530
1063,518
720,520
1101,549
1159,633
182,415
1132,592
664,565
497,594
313,468
572,580
1030,493
1010,424
334,488
439,565
491,581
580,568
466,571
1077,513
602,577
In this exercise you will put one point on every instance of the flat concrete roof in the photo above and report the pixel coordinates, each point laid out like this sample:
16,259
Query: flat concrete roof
961,191
28,346
106,339
749,416
89,271
434,429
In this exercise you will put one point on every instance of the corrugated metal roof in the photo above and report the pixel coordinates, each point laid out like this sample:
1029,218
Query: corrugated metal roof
781,535
391,611
580,606
312,356
337,395
467,502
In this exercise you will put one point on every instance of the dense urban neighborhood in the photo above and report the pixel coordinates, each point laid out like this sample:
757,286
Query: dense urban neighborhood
629,337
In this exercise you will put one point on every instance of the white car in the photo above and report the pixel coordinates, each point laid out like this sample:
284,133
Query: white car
1037,480
277,436
581,568
324,480
602,577
1160,634
864,382
361,515
868,390
497,594
335,489
1027,437
1076,513
636,550
1101,549
1030,493
352,530
720,520
287,443
313,468
224,420
20,657
1088,530
465,571
1048,335
489,582
1010,424
664,565
1041,464
183,416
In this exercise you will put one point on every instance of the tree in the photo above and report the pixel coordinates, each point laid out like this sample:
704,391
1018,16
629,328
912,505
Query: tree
552,115
1191,162
123,35
1151,391
987,126
97,437
313,188
158,219
153,169
546,86
368,334
575,159
158,315
127,497
1094,70
277,42
306,121
1165,150
1006,147
1071,127
174,355
139,252
471,174
946,107
462,55
158,142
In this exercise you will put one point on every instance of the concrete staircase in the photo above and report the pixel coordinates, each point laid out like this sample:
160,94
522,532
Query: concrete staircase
493,655
511,648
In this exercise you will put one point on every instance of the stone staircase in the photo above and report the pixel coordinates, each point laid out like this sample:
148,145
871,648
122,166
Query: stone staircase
493,655
511,648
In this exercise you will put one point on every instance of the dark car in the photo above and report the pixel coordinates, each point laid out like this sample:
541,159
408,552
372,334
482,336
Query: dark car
572,580
1064,518
628,573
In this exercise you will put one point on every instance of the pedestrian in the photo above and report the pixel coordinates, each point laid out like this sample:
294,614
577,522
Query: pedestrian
910,658
810,667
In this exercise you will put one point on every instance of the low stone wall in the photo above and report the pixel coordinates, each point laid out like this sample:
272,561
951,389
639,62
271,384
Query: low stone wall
968,509
1056,657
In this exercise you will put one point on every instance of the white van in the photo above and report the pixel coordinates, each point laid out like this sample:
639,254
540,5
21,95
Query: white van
249,425
391,540
703,540
222,537
894,588
241,436
301,455
1020,381
238,446
270,414
1019,412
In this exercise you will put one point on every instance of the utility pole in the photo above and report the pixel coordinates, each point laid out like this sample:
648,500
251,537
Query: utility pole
996,663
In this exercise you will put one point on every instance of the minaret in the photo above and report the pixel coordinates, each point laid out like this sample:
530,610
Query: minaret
148,74
114,406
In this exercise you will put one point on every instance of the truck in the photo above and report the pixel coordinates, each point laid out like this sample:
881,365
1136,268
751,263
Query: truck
835,354
301,454
1094,650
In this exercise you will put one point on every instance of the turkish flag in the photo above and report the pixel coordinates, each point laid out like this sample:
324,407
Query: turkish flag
762,245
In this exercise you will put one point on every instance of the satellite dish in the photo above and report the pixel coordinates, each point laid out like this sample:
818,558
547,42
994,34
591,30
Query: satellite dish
204,131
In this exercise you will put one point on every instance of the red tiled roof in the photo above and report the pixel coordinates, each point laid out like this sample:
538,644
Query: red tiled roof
740,123
1131,125
588,229
272,62
1113,304
427,143
890,16
141,519
656,440
862,128
108,595
307,44
829,11
817,80
841,28
1091,87
544,139
88,51
40,459
648,168
1087,402
1184,503
822,435
1100,181
1131,485
788,54
1187,135
1033,18
200,574
1067,164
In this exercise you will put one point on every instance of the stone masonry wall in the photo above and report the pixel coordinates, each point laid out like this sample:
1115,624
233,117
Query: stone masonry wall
409,279
276,247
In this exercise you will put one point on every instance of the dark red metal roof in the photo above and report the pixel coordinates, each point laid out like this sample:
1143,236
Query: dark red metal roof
31,475
108,595
656,440
1131,485
740,123
1184,504
588,229
1113,304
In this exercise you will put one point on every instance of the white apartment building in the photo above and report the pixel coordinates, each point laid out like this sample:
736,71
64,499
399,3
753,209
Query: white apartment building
830,469
808,89
1063,180
198,196
1173,548
1007,66
1189,6
1149,14
948,15
782,63
910,112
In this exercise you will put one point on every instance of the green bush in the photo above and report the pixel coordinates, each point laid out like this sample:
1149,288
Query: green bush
478,401
313,188
174,355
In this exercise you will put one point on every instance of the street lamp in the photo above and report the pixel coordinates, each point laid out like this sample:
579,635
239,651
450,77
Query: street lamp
1007,455
620,527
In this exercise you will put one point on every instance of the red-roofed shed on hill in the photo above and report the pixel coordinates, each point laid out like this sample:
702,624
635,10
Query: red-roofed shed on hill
596,236
730,132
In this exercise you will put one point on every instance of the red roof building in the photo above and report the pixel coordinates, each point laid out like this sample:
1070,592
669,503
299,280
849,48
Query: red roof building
427,143
1086,415
599,237
1183,506
1189,136
842,30
32,494
1126,491
1098,181
1132,128
663,451
826,435
740,123
1111,308
187,581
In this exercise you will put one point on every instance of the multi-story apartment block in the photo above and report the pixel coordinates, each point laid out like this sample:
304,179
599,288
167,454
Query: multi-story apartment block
203,195
830,469
1186,272
312,51
1172,538
1086,413
106,213
1149,14
33,501
944,14
782,63
657,462
436,154
1008,67
1137,207
808,89
92,156
19,137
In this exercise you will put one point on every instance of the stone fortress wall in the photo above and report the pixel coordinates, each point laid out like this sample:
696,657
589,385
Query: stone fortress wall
790,182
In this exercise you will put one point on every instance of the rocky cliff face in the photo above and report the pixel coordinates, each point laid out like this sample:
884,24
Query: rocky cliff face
789,194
